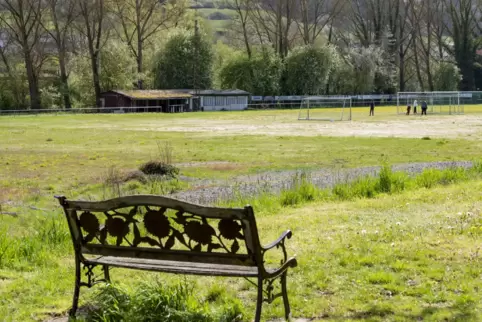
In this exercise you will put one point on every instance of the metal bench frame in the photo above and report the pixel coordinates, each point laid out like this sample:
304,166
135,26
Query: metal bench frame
156,233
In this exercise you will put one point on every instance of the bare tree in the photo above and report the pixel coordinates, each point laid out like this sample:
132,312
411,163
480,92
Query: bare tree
422,18
439,28
61,15
22,19
401,30
274,20
142,19
315,16
92,26
243,13
369,20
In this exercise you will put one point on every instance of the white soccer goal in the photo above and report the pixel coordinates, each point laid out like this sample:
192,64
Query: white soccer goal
325,108
437,102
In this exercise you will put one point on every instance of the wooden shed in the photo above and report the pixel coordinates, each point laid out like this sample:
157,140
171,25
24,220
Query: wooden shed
166,101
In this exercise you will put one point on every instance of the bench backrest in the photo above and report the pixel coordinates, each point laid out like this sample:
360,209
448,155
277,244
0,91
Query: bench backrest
155,227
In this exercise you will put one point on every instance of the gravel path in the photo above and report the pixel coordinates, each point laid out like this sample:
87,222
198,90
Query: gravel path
208,192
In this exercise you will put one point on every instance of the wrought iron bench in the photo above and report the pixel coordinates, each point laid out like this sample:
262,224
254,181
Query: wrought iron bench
166,235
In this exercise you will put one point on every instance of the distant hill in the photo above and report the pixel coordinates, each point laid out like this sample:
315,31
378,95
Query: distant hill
217,14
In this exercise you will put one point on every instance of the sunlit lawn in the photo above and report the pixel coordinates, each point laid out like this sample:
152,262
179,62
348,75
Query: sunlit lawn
411,256
404,257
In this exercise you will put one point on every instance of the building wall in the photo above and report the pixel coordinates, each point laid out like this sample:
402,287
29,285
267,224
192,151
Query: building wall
115,100
224,103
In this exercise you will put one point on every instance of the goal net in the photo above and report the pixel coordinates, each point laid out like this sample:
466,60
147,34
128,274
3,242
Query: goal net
325,108
437,102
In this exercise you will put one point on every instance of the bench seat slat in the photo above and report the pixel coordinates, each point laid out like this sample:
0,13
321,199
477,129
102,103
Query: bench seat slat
176,267
140,253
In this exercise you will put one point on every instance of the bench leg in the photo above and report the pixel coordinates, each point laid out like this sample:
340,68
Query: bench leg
259,302
106,273
75,301
285,296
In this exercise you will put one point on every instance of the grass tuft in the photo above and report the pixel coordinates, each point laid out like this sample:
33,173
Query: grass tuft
155,301
300,191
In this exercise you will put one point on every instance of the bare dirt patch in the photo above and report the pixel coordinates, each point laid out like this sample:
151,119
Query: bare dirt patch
460,126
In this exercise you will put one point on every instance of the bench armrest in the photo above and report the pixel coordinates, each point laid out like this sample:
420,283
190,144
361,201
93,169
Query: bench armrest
279,242
291,262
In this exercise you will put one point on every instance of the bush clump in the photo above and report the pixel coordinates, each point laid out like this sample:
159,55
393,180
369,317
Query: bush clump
160,168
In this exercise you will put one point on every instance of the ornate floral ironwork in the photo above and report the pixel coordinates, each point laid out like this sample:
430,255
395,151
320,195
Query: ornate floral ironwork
93,279
143,226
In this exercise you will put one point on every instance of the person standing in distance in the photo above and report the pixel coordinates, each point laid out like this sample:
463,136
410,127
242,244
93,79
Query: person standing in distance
424,108
415,104
372,108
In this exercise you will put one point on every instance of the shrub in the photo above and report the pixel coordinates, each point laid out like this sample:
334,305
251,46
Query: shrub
385,179
400,182
159,168
477,167
301,190
453,175
428,178
365,187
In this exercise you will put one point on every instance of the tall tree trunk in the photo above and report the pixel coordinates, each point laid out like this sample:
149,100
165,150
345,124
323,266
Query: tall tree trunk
35,103
246,39
280,28
60,39
64,80
140,83
417,65
401,72
96,78
139,44
306,31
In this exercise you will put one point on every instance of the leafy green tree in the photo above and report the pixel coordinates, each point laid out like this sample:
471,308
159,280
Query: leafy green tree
117,71
307,70
118,67
363,70
446,77
14,87
259,75
185,62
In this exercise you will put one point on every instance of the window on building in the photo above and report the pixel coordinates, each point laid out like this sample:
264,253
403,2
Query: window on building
220,101
209,101
231,100
242,100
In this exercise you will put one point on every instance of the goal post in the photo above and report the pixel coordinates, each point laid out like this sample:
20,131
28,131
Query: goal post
437,102
325,108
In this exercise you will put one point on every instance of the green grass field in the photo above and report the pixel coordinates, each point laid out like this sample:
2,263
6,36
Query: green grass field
408,255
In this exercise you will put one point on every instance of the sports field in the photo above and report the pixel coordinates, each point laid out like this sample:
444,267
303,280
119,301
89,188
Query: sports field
411,253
